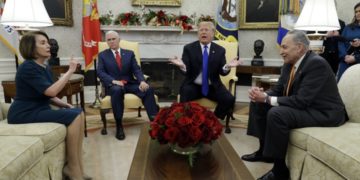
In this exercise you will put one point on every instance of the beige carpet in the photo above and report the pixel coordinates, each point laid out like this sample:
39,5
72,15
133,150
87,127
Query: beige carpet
130,118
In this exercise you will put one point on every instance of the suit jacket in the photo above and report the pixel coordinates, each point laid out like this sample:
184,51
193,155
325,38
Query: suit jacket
314,89
192,58
108,69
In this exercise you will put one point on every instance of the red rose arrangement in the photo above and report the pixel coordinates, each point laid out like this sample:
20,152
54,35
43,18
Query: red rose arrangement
185,124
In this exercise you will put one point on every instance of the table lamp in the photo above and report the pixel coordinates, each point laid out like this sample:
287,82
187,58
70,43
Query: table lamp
25,14
318,15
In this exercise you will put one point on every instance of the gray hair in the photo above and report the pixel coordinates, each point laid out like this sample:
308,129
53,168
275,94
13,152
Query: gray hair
112,32
211,24
300,37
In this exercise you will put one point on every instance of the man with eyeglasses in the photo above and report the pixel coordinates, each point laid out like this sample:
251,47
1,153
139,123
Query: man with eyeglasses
119,72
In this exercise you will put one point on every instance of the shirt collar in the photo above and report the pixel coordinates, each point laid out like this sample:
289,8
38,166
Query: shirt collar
208,45
113,51
297,64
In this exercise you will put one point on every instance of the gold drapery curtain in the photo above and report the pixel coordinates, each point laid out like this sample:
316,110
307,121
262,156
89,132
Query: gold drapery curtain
291,6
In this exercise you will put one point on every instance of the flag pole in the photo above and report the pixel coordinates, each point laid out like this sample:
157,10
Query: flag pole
16,61
96,103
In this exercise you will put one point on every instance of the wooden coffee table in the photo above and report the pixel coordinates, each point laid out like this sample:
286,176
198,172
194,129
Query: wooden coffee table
153,161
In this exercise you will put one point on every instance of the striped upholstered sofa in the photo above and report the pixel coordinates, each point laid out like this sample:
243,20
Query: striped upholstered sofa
31,151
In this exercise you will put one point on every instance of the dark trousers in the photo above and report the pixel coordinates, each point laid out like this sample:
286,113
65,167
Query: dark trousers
273,124
225,101
117,100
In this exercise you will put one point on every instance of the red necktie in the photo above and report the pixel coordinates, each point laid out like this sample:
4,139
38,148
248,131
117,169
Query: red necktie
118,59
290,81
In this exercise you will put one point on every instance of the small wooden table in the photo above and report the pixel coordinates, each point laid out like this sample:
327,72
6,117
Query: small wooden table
258,69
153,161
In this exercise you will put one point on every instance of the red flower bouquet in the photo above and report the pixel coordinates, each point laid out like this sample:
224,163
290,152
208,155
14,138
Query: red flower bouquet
186,125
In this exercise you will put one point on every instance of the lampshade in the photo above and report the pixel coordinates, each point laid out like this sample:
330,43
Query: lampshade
318,15
25,13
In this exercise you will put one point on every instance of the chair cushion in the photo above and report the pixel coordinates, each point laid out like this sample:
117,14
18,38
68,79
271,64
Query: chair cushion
51,134
131,101
333,146
18,154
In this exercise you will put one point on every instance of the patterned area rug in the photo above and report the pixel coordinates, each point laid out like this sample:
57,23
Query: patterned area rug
130,118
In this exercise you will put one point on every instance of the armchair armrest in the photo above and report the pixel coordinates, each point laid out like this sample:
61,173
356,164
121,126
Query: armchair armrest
4,110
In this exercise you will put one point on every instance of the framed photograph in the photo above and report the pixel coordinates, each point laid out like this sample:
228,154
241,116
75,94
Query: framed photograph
60,11
259,14
156,2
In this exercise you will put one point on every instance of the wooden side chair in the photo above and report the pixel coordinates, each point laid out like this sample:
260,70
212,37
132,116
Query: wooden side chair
228,80
131,101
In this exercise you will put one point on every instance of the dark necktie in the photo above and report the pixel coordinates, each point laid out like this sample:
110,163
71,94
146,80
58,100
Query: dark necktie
291,79
204,80
118,59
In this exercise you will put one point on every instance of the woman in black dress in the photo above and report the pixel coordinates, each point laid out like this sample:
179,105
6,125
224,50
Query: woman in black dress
35,91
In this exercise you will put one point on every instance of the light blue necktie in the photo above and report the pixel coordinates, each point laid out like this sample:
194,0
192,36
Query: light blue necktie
205,81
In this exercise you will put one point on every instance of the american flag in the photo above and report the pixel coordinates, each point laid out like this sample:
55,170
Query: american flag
8,35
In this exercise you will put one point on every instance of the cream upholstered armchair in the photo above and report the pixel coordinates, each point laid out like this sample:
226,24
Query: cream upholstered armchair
228,80
131,101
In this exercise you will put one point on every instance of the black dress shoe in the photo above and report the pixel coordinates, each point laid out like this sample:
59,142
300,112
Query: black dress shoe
120,135
268,176
256,157
271,176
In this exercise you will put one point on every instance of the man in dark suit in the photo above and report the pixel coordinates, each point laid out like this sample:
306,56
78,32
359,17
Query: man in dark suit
202,63
116,69
306,95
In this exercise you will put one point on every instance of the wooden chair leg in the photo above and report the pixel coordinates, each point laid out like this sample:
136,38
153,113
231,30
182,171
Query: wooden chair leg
85,126
139,111
103,119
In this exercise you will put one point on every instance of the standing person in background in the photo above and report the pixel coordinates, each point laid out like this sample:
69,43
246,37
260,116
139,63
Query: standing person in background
348,50
35,91
331,50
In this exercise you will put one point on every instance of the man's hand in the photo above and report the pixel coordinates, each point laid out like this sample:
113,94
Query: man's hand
177,62
119,83
143,86
234,63
256,94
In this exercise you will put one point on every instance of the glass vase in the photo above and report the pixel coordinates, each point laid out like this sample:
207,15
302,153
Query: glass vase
189,151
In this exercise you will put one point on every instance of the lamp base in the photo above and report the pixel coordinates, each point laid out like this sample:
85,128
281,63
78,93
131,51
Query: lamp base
316,42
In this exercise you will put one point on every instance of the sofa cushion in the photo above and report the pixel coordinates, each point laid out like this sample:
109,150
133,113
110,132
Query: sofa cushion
349,92
338,148
51,134
18,154
299,137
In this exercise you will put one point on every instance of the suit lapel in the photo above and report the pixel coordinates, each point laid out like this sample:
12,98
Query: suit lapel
299,70
199,55
211,53
111,58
